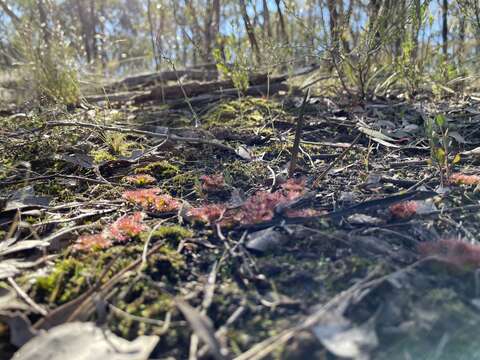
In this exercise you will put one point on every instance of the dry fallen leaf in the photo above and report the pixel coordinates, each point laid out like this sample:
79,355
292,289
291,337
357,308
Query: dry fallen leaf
82,341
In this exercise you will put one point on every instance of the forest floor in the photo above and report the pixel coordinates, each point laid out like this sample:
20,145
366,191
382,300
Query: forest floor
192,242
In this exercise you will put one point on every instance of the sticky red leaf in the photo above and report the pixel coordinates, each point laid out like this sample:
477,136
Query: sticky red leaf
458,253
140,179
260,207
126,227
90,242
212,183
293,188
404,209
149,200
459,178
208,214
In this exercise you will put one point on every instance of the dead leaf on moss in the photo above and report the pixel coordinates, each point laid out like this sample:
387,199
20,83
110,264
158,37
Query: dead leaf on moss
85,341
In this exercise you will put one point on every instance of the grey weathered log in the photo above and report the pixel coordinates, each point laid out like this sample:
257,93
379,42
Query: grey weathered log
122,96
148,79
260,84
193,89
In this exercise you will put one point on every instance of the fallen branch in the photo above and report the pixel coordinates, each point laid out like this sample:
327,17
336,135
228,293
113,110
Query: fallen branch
260,84
123,96
258,90
143,80
193,89
168,136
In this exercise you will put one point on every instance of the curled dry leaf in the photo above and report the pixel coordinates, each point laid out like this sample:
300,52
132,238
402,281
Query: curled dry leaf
85,341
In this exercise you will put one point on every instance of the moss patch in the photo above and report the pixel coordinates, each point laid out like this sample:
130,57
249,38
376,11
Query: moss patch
174,232
160,169
244,112
63,283
101,155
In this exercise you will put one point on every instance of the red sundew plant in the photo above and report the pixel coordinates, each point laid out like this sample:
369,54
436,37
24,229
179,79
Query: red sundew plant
260,207
213,183
293,188
126,227
457,253
257,208
459,178
404,209
166,204
208,214
145,197
91,242
149,199
140,179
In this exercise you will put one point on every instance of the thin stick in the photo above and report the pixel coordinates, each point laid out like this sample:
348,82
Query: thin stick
298,135
171,137
27,298
332,164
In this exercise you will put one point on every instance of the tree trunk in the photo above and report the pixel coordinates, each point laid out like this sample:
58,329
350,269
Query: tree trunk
160,33
416,29
267,30
212,28
197,33
93,30
215,28
400,37
85,31
152,35
461,36
44,21
445,28
9,12
283,28
102,48
333,22
250,32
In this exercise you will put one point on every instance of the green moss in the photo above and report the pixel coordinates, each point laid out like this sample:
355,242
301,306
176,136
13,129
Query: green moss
160,169
185,179
447,302
144,302
173,257
174,232
245,175
101,155
274,151
244,112
64,282
57,190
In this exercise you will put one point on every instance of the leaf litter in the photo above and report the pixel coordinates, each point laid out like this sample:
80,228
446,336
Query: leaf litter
357,255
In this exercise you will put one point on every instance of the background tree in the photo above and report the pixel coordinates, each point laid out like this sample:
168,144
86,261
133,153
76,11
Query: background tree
118,37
